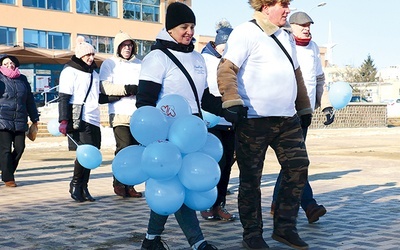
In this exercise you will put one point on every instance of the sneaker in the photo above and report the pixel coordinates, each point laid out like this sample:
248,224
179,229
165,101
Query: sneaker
291,238
131,192
330,115
272,208
255,242
120,190
156,244
314,211
206,246
221,213
208,214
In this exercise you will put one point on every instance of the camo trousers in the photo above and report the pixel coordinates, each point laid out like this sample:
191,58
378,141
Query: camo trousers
284,135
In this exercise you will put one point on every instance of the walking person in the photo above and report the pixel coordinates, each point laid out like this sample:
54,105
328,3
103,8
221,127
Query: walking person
160,76
80,84
259,72
314,78
119,76
16,105
212,54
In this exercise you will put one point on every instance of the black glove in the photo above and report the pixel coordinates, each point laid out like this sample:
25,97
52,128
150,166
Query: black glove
330,115
235,113
305,120
131,89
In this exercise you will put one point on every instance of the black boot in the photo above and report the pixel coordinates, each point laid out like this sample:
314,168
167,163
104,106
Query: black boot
75,187
85,190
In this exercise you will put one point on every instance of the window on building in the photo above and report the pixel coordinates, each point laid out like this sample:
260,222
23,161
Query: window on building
144,48
7,36
143,10
8,1
46,39
102,44
97,7
62,5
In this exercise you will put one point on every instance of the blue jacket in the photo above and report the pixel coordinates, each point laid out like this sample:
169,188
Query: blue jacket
16,104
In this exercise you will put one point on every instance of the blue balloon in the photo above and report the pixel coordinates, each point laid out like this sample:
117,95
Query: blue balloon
213,147
164,197
161,160
189,133
340,94
126,166
148,124
89,156
52,127
211,120
200,201
199,172
174,106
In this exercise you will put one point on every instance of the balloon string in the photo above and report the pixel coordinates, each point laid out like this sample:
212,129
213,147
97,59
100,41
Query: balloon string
72,140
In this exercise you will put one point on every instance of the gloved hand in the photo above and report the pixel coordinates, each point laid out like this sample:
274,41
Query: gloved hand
131,89
235,113
63,127
330,115
305,120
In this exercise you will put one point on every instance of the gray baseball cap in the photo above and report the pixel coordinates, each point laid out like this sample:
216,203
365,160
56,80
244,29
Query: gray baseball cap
300,18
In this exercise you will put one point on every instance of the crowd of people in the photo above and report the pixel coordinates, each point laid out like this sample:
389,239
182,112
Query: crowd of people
263,78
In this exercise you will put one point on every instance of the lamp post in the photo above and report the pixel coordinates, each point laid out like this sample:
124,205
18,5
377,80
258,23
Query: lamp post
318,5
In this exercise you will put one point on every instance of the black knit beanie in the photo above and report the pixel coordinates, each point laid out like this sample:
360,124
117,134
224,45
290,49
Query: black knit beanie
178,13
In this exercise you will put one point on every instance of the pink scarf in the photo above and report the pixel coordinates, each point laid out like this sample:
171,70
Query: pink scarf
9,72
302,41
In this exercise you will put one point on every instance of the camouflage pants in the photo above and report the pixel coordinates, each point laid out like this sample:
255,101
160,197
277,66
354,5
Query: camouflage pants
284,135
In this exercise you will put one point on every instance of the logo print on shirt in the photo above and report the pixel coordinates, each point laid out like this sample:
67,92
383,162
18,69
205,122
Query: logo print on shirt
168,110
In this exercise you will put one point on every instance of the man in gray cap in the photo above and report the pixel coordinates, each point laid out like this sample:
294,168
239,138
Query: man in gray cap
309,59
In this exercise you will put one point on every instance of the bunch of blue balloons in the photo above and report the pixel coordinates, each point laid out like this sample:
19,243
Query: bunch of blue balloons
177,159
87,155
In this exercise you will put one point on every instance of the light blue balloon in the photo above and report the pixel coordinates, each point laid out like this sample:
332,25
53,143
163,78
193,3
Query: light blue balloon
126,166
161,160
199,172
174,106
189,133
200,201
148,124
52,127
164,197
213,147
89,156
339,94
211,120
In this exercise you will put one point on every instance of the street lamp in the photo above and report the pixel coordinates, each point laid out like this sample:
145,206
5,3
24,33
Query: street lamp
318,5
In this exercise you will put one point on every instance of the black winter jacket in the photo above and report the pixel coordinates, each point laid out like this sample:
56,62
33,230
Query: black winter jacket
16,104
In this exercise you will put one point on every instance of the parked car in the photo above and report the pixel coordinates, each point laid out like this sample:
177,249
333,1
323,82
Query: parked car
357,98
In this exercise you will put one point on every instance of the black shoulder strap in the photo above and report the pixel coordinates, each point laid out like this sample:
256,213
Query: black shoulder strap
184,71
278,42
90,86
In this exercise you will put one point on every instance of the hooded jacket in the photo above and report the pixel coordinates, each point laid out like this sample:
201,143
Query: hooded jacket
115,73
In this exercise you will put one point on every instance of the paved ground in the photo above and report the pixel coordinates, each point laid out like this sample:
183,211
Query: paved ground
354,173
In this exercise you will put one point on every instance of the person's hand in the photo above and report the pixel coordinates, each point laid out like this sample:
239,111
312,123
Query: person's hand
330,115
63,127
235,113
305,120
131,89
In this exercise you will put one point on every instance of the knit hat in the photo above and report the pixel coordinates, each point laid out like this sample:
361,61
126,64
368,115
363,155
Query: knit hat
178,13
224,29
83,48
120,38
300,18
12,58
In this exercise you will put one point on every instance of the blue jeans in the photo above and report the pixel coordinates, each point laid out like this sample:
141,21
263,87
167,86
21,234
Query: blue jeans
307,197
187,220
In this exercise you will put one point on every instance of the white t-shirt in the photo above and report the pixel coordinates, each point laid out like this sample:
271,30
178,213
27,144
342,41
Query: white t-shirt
117,71
310,65
266,79
76,83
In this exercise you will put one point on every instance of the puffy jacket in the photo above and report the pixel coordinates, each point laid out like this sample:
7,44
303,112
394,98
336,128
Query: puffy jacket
16,104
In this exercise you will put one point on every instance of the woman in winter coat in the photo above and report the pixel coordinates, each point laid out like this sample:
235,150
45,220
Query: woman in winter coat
78,79
16,104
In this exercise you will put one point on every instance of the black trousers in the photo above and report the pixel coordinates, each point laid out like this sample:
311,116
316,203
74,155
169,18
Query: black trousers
12,146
